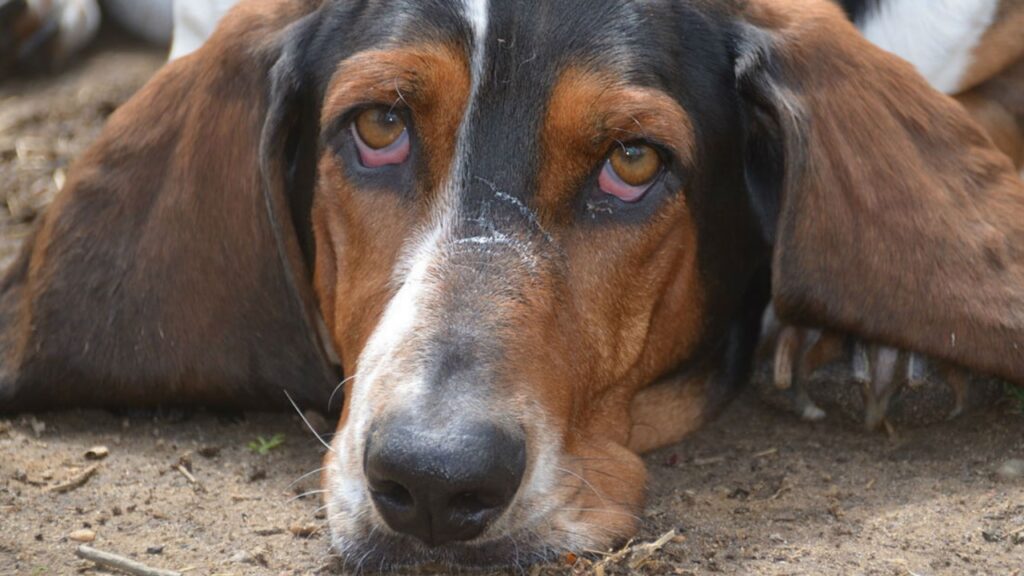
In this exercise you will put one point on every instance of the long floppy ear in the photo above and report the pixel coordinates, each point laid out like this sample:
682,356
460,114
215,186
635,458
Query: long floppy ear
893,215
168,271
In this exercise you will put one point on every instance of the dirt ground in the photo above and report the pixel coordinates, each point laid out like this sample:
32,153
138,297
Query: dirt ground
755,492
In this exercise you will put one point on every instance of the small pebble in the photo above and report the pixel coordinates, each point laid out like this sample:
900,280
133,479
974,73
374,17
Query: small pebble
83,535
155,550
97,453
241,557
991,536
256,474
256,557
209,451
303,530
38,426
1011,470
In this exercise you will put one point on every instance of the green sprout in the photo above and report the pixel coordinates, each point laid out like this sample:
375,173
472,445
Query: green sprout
263,446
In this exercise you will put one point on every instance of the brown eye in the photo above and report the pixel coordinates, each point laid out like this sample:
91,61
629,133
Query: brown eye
379,128
636,164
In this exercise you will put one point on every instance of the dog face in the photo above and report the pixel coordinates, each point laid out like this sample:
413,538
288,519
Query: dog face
522,216
509,220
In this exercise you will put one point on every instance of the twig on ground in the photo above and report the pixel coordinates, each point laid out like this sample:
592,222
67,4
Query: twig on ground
120,563
76,481
640,553
643,552
188,475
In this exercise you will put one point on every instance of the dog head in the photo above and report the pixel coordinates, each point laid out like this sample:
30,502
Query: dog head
516,217
524,215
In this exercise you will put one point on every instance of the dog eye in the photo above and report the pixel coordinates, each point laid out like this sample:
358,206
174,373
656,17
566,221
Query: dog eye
629,171
382,137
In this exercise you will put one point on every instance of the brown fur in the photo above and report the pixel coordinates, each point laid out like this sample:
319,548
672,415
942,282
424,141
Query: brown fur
919,243
1001,46
998,105
135,287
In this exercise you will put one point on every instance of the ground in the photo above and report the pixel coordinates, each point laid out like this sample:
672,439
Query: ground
755,492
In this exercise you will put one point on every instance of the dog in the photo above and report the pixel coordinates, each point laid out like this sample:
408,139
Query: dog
537,237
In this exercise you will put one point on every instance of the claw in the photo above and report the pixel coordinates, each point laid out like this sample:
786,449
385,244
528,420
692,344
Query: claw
894,386
917,370
861,364
787,350
957,380
881,386
797,354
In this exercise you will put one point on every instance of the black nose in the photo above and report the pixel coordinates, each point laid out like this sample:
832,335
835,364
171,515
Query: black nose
443,485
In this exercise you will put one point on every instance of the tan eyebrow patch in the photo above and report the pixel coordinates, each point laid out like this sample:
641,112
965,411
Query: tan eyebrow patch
432,80
360,234
588,113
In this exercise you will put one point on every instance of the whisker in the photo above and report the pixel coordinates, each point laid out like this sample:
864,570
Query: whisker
308,425
605,473
330,400
605,511
304,494
306,475
584,481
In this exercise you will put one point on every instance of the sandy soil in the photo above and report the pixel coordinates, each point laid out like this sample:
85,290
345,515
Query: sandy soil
755,492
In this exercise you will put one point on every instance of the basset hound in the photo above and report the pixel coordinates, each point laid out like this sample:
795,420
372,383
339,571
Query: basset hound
537,236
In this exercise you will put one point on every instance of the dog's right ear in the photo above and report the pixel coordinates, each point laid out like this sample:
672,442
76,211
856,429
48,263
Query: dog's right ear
169,269
892,215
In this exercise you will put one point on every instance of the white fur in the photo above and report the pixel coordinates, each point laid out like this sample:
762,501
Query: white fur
376,367
937,36
477,12
194,21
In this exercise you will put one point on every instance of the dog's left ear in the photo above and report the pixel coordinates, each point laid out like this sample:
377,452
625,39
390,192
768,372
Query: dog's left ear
169,271
893,216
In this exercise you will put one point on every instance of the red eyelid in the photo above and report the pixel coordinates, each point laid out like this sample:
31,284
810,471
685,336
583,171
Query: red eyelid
396,153
611,184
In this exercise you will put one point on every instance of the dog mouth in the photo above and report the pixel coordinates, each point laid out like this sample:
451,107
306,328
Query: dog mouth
390,552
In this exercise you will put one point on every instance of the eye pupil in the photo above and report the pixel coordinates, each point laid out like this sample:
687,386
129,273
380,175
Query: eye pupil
633,153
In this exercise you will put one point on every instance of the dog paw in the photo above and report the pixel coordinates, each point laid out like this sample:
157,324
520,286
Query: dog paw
816,373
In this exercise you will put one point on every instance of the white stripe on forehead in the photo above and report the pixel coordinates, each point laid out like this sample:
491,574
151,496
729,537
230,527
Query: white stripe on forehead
476,14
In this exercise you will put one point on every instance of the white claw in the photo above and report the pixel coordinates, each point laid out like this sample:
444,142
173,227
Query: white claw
812,413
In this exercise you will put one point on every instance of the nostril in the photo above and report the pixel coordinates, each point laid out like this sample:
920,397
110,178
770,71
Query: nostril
472,503
393,494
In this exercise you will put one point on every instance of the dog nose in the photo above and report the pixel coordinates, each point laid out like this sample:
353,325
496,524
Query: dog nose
443,485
